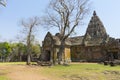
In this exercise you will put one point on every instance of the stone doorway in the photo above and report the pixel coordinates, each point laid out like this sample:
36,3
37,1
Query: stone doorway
112,56
115,55
48,53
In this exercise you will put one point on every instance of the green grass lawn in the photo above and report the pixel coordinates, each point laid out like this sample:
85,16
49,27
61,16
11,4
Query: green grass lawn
81,71
84,71
11,63
3,78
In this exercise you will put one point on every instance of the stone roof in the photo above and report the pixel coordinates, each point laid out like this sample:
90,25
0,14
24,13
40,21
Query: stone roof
96,33
76,40
113,44
56,39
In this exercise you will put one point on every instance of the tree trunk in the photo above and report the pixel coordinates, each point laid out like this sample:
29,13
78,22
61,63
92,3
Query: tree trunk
61,52
28,59
28,54
20,58
29,47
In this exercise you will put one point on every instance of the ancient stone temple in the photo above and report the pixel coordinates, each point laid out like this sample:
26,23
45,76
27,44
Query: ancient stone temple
96,33
94,46
51,46
91,48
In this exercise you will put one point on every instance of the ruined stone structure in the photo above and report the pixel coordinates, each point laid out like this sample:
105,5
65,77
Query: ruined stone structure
51,46
95,45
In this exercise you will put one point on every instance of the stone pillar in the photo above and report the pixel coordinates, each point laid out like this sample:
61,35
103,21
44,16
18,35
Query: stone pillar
51,56
119,55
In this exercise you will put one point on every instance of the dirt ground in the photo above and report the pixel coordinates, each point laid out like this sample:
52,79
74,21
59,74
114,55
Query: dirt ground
23,72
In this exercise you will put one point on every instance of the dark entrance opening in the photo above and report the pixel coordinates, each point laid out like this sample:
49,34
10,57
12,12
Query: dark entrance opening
115,55
48,55
112,56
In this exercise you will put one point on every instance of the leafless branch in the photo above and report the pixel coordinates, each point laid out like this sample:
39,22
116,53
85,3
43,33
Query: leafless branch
3,3
30,26
66,14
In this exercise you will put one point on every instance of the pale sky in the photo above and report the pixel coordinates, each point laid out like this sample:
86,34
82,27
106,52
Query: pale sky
10,16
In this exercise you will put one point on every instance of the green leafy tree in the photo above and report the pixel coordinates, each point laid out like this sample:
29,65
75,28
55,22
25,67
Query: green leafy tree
18,50
5,51
21,50
36,51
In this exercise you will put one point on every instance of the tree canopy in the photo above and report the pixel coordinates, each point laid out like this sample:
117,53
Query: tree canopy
65,15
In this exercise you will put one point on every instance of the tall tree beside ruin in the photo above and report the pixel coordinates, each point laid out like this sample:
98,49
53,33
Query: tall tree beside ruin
29,28
65,15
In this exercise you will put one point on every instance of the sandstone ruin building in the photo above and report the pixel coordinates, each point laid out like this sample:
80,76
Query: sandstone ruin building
95,46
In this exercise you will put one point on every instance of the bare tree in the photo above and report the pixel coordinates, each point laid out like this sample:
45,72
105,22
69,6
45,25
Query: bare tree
30,27
3,2
66,15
